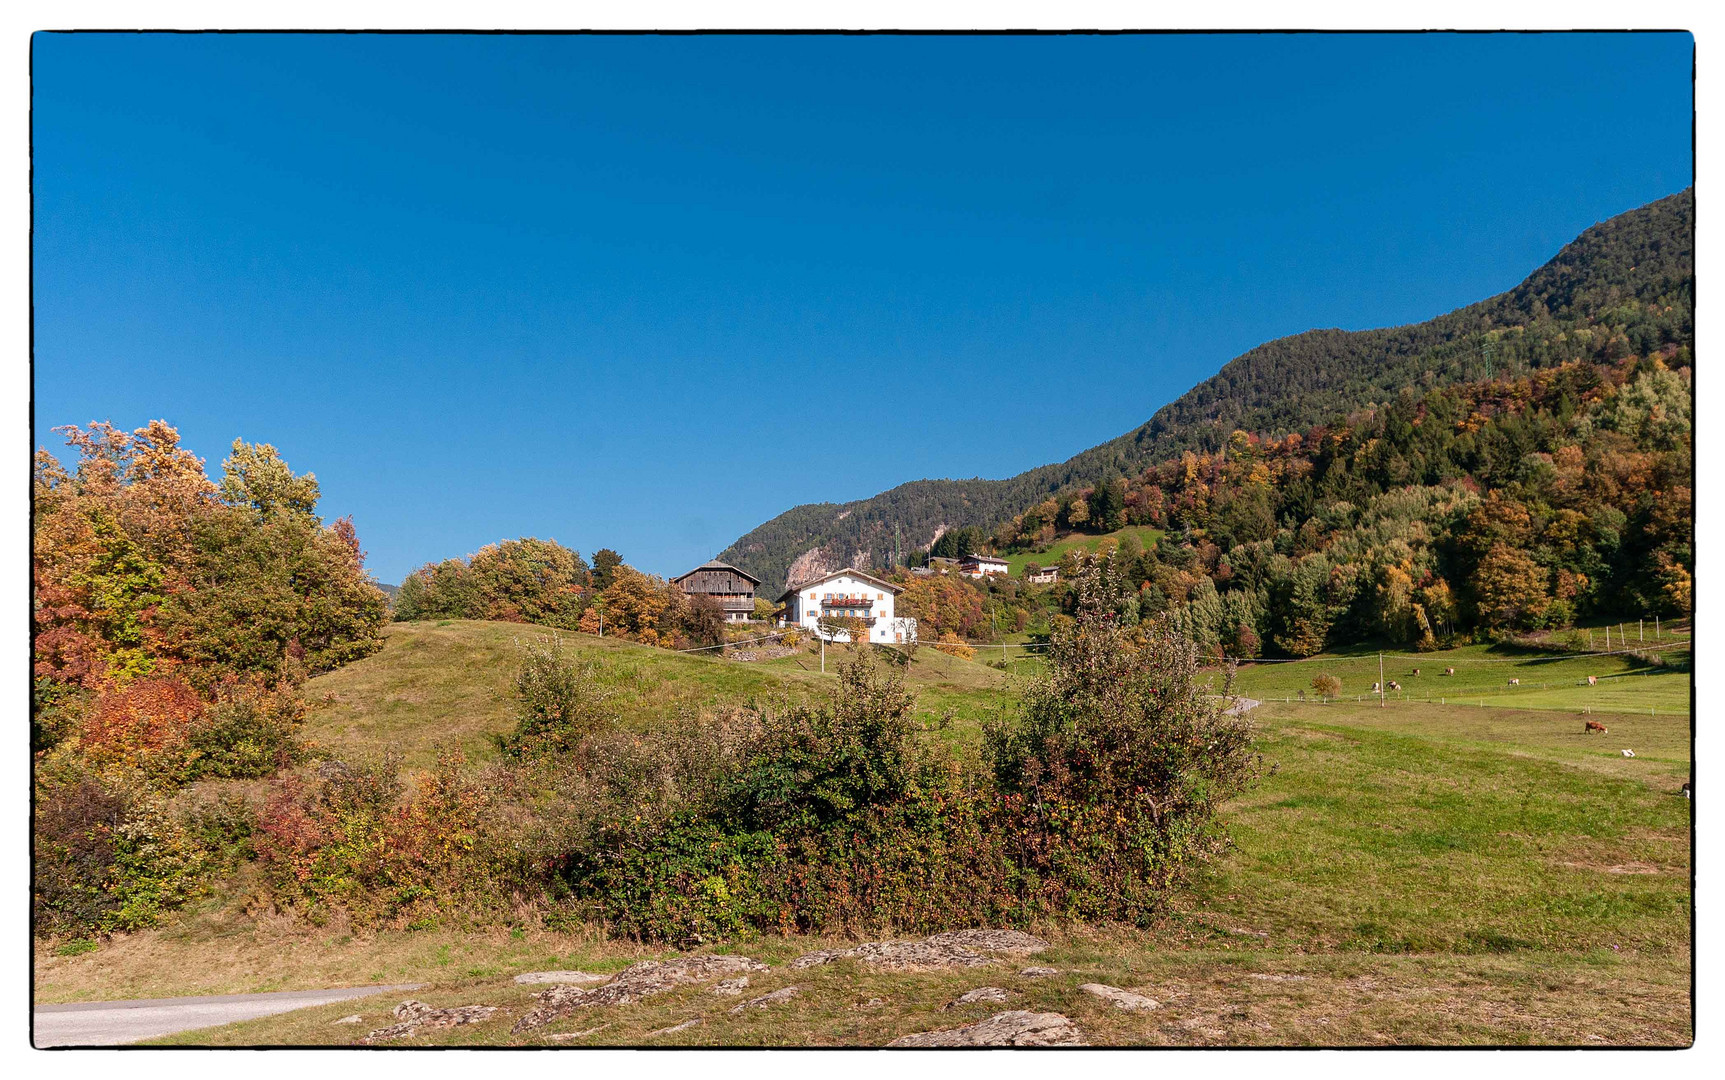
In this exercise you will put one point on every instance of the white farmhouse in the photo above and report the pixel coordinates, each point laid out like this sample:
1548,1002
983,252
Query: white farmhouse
978,566
850,593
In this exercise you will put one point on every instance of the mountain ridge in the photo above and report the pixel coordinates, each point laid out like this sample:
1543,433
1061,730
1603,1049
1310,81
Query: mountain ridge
1640,257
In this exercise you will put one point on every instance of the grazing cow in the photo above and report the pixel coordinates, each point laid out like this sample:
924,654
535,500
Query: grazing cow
1449,671
1592,680
1374,688
1515,682
1395,685
1416,671
1594,725
1686,789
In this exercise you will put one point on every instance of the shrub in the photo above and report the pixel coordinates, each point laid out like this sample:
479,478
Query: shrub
348,839
1327,686
702,620
250,730
171,734
952,645
110,856
558,701
1113,773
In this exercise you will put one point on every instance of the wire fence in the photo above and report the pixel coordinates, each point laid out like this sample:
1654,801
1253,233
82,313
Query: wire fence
1332,658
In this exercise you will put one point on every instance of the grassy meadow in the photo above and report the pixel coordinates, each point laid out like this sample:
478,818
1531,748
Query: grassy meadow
1416,874
1079,542
451,681
1482,676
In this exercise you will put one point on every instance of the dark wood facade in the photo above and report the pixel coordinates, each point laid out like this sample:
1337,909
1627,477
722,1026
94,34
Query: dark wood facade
732,588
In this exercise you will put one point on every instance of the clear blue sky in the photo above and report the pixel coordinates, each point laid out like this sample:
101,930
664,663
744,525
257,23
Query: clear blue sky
601,288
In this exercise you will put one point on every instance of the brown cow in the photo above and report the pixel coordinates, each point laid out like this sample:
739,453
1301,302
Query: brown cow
1415,671
1395,685
1449,671
1592,679
1515,682
1594,725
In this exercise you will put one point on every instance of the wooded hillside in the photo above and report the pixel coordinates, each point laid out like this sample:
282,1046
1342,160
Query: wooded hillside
1623,288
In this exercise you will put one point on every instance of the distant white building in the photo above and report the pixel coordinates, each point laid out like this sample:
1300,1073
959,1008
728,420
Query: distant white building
849,593
1041,575
978,566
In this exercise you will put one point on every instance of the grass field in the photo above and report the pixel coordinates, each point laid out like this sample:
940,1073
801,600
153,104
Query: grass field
452,682
1482,674
1418,874
1145,534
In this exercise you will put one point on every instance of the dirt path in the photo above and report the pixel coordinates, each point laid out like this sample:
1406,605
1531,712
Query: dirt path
116,1023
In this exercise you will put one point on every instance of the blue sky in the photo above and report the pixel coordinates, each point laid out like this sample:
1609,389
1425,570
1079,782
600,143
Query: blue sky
601,288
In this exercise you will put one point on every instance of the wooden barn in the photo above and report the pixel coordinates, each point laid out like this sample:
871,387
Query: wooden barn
732,588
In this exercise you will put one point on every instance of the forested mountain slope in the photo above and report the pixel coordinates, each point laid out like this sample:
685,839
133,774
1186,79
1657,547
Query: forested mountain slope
1623,287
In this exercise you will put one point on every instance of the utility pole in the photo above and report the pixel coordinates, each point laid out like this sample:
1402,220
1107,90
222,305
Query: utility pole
823,650
1380,680
1641,629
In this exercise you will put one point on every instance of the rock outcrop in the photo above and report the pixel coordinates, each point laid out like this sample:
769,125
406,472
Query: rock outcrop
579,977
633,983
1121,999
956,948
1017,1028
992,994
416,1016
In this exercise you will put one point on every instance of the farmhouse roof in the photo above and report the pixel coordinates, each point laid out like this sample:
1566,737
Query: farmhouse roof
852,571
717,565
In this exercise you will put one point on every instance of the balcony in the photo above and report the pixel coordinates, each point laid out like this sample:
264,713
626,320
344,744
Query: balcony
848,602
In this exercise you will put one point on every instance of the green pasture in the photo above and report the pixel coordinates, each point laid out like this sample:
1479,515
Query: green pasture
1145,534
1482,675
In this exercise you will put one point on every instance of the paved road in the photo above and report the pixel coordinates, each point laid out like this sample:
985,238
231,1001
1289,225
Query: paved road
115,1023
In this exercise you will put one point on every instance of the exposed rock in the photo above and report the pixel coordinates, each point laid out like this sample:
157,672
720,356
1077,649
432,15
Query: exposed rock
567,1035
354,1019
767,1000
1122,999
956,948
531,977
417,1016
992,994
1039,972
1280,978
1018,1028
732,987
871,1003
684,1026
1011,942
633,983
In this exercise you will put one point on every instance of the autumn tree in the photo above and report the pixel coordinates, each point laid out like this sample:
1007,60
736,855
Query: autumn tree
1510,588
703,620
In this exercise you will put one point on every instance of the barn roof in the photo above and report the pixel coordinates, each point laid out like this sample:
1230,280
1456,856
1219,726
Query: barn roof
717,565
